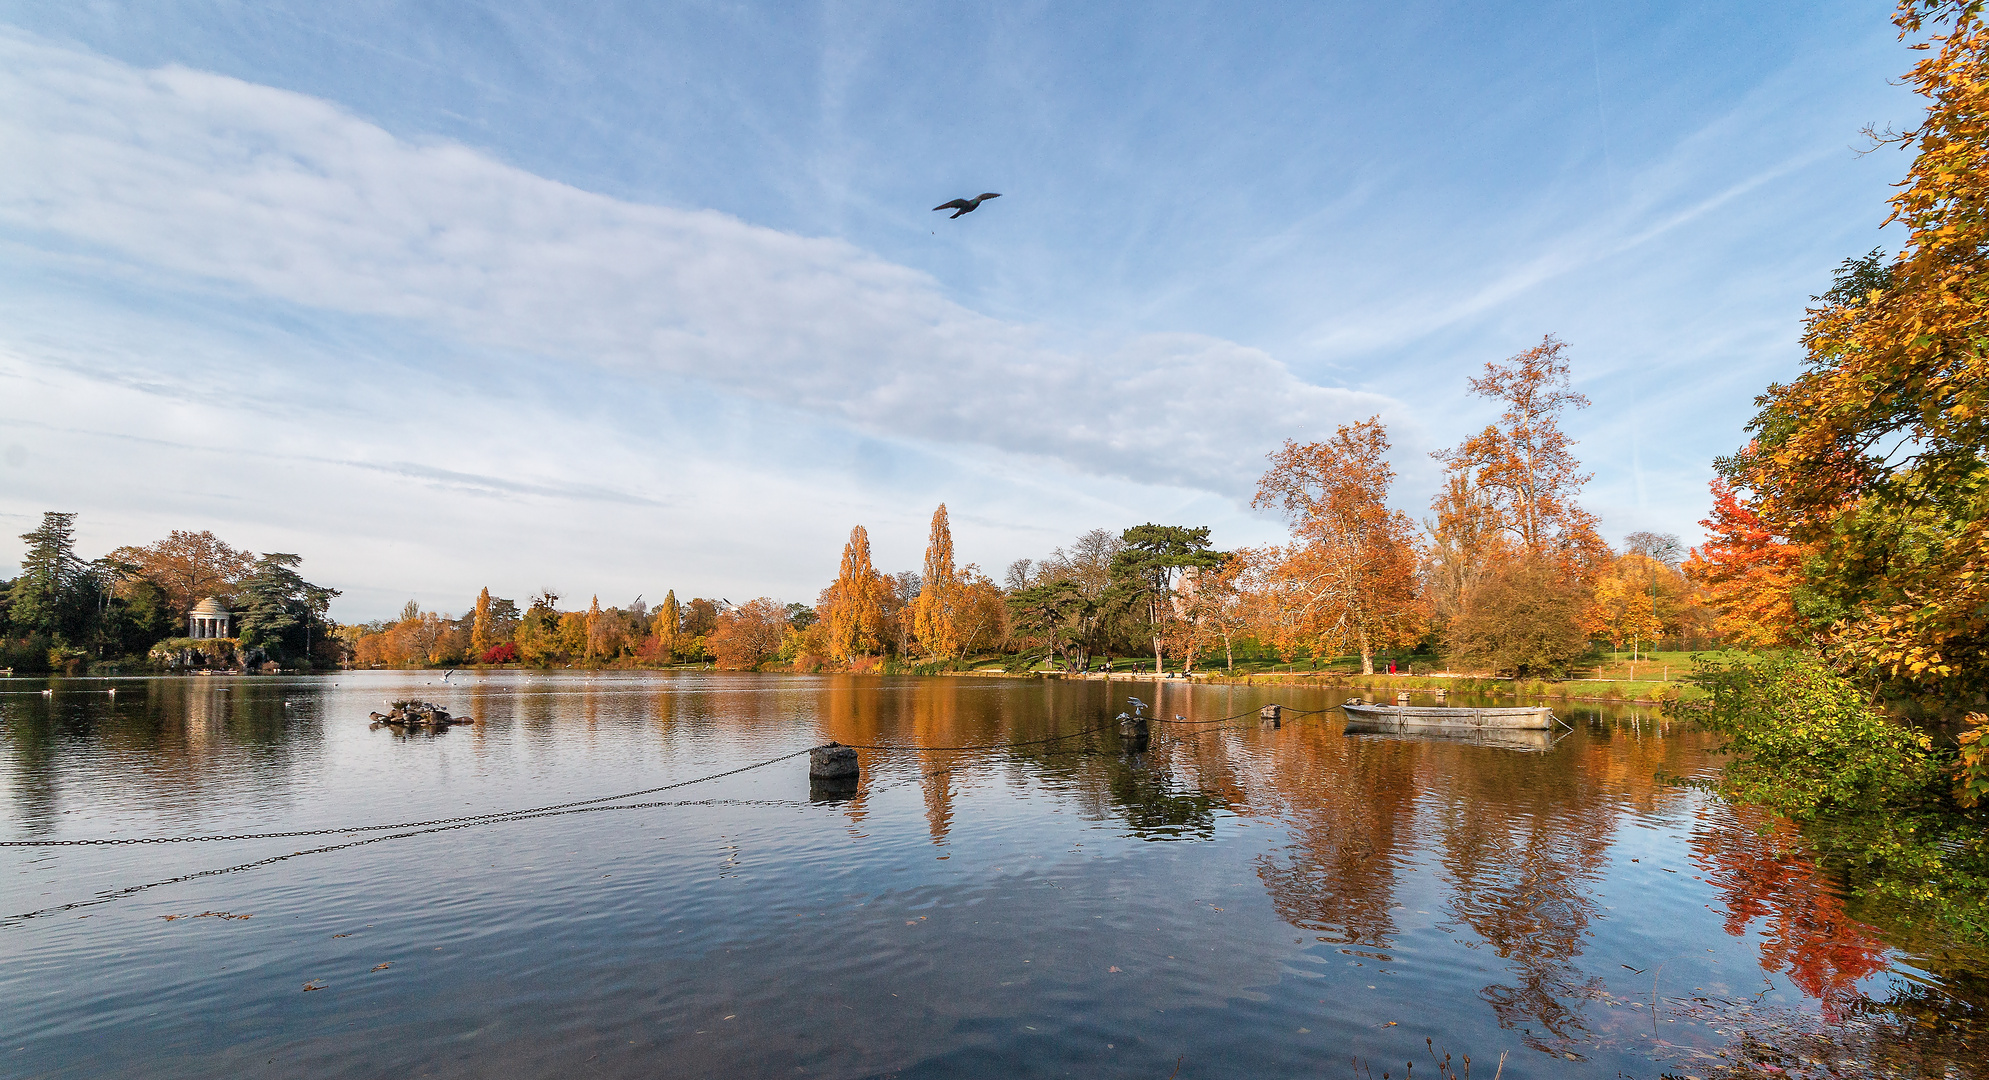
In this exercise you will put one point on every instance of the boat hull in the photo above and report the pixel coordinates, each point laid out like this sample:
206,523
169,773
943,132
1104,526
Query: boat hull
1524,718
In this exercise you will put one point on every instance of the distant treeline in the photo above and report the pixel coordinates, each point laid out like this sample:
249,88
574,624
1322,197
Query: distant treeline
1509,576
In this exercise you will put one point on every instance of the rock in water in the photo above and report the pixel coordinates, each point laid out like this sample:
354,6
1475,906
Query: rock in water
832,762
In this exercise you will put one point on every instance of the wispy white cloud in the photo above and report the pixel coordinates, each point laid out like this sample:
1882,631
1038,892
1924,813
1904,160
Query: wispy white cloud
291,198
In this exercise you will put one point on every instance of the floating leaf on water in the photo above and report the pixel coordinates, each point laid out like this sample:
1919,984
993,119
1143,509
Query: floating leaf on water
383,967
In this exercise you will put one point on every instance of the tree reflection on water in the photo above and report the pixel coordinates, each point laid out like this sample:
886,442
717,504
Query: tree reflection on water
1757,863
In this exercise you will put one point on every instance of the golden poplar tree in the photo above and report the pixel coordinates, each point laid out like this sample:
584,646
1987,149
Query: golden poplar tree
669,616
856,602
480,641
937,611
593,625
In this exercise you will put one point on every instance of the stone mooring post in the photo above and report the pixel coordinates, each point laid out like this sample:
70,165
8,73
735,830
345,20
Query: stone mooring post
833,762
833,773
1269,714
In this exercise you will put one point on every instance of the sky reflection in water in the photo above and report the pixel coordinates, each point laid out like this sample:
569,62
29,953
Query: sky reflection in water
1246,900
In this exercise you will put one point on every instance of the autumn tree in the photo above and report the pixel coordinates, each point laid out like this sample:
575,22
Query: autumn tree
854,608
537,637
481,640
1873,457
595,629
750,634
937,609
1276,606
1524,619
1618,608
1524,466
1358,579
1219,602
189,566
1465,540
1748,574
981,615
900,595
664,626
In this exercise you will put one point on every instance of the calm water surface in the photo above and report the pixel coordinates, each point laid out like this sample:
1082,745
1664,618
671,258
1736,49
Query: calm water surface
1236,901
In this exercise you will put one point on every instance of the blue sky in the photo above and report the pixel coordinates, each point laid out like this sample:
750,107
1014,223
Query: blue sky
615,298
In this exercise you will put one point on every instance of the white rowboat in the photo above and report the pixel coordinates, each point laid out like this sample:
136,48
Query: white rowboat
1526,717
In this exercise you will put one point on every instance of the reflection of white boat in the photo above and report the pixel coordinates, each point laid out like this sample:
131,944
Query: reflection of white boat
1502,738
1526,717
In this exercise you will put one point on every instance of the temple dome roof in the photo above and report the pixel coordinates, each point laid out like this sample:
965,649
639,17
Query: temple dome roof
211,608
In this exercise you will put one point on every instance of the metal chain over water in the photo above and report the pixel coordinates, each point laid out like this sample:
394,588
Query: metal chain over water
503,815
422,828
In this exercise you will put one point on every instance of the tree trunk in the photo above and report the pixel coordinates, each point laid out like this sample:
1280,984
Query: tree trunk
1157,669
1367,656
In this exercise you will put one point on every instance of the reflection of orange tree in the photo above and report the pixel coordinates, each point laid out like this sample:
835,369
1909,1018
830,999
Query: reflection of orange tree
1762,873
1526,893
1337,879
1523,852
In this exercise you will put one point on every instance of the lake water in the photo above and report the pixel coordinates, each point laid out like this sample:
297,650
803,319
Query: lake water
1236,901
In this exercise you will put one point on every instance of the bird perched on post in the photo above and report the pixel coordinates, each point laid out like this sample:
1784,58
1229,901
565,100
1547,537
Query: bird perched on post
967,206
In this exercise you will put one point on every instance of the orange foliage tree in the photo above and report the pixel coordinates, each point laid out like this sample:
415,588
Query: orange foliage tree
1619,609
1219,602
980,613
1875,453
1354,573
750,634
1749,575
1523,467
853,608
187,566
936,610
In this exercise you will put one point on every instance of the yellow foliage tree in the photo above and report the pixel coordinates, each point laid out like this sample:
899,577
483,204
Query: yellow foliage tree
936,611
663,627
1875,454
595,626
480,636
1620,610
855,608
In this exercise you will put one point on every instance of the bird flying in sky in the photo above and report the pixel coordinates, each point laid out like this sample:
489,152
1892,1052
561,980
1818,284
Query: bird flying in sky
967,206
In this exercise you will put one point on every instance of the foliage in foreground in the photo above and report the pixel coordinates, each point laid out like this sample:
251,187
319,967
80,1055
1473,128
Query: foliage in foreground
1882,804
1858,517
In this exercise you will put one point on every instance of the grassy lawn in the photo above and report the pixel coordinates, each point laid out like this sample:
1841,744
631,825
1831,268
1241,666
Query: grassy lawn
1607,676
